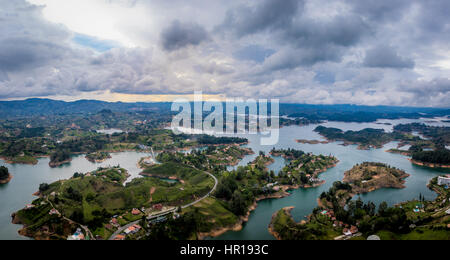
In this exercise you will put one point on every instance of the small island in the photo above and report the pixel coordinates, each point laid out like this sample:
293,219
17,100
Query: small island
59,158
262,161
370,176
5,176
303,169
303,141
98,157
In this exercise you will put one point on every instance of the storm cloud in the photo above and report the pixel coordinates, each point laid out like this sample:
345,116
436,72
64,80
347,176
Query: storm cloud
386,57
179,35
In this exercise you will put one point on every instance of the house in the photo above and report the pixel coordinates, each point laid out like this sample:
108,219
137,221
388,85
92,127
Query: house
114,221
119,237
135,212
444,180
158,207
130,230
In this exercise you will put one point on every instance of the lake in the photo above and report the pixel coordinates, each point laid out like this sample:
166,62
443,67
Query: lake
18,192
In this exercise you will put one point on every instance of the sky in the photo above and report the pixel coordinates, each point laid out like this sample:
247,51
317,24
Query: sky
384,52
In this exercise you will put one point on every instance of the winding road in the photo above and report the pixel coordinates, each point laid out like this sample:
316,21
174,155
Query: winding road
216,182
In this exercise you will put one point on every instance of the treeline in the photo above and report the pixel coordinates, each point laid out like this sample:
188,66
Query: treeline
439,135
441,156
212,140
60,156
288,153
28,147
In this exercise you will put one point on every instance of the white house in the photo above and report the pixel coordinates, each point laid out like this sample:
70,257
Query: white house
444,180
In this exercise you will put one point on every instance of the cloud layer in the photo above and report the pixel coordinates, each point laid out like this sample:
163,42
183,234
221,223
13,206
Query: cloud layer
300,51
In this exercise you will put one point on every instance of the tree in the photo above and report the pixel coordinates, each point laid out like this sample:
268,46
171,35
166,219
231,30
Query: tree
44,187
4,173
382,208
238,205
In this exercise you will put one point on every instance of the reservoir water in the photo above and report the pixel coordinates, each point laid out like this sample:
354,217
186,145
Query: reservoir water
305,200
16,194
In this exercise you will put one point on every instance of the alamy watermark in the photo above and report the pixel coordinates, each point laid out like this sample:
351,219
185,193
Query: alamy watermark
234,116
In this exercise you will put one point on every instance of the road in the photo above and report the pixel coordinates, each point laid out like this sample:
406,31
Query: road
86,229
216,182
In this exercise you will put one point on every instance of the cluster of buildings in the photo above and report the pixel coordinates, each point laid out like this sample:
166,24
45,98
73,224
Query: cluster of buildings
348,230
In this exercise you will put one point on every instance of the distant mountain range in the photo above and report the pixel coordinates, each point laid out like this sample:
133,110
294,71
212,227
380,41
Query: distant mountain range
346,113
38,107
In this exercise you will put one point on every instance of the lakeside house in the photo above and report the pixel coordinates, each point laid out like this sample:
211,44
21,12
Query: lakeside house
444,180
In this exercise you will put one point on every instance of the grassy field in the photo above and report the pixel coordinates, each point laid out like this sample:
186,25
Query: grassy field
215,215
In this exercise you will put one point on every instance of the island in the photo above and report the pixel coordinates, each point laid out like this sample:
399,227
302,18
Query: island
59,158
5,176
365,139
303,169
303,141
370,176
98,157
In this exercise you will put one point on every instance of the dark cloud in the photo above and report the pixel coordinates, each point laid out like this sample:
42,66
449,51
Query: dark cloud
27,40
265,14
179,35
310,40
386,57
339,31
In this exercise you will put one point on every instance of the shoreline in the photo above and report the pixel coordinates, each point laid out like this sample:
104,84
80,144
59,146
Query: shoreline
10,160
275,234
242,219
7,180
279,195
430,165
57,164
